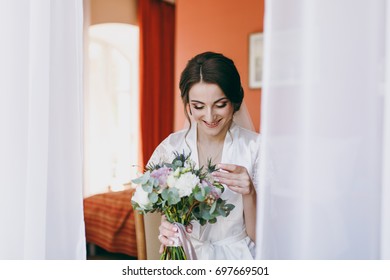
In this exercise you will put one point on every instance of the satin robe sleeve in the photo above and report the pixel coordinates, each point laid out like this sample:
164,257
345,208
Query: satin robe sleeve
256,165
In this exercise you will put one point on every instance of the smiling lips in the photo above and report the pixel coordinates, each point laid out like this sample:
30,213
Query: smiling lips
211,125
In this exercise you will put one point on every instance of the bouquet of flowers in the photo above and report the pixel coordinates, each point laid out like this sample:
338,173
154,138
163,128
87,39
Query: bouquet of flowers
183,194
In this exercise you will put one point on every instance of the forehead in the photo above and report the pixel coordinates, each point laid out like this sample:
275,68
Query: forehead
205,92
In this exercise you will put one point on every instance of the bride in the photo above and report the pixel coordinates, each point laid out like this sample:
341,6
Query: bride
212,94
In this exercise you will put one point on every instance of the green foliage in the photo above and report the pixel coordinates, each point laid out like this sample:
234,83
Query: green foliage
199,194
171,196
153,197
143,179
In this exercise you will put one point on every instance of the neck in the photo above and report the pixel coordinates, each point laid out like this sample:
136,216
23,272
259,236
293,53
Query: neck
213,139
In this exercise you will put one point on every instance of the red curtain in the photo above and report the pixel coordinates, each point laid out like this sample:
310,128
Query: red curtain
157,27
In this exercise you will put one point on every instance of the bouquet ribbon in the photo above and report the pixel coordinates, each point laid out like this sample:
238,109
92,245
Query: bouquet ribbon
185,242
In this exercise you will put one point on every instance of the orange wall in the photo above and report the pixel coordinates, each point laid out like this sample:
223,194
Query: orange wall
221,26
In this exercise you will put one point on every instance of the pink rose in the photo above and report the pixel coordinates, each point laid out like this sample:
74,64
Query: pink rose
161,175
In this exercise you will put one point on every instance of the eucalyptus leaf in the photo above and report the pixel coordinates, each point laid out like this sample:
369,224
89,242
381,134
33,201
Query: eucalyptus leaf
173,196
165,194
199,196
143,179
221,211
229,207
213,206
154,182
153,197
148,187
206,214
203,190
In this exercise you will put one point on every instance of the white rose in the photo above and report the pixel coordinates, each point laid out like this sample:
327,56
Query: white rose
186,183
141,197
171,180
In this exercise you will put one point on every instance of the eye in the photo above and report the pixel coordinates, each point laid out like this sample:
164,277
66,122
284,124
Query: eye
197,107
221,105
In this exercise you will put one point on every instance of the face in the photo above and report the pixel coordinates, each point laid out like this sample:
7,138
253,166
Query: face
210,108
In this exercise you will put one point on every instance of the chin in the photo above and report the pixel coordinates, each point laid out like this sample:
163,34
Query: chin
214,131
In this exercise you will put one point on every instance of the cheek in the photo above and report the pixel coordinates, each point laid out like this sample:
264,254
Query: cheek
228,111
196,114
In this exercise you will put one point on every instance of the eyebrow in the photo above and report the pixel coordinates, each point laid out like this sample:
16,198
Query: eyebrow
219,100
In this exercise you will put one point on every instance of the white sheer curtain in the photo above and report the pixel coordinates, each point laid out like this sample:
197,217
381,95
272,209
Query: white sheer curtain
326,131
41,213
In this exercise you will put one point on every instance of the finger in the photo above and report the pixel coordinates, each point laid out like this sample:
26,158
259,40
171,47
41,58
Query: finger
167,241
161,249
228,167
230,182
168,231
241,190
238,176
236,189
189,228
169,226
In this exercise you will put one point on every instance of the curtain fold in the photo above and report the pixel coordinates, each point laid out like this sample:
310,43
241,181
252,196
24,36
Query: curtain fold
385,217
323,185
157,27
41,213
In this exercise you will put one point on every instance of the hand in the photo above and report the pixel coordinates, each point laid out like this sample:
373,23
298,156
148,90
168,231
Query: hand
168,232
235,177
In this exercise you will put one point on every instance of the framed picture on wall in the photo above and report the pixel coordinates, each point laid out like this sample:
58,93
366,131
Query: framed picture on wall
255,60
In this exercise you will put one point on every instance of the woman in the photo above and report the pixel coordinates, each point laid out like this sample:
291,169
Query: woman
212,93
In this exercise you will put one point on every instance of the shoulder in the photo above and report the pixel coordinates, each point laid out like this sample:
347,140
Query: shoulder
248,142
244,134
164,151
175,138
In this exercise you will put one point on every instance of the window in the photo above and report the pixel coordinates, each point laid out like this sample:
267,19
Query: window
111,108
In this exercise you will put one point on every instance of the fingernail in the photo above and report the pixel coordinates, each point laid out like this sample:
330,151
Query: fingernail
175,229
216,179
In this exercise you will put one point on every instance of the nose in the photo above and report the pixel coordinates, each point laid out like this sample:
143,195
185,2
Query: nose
210,115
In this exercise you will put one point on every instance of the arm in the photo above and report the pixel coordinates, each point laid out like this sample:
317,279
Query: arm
250,213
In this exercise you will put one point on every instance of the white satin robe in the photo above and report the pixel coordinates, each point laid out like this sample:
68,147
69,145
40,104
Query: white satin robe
227,238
